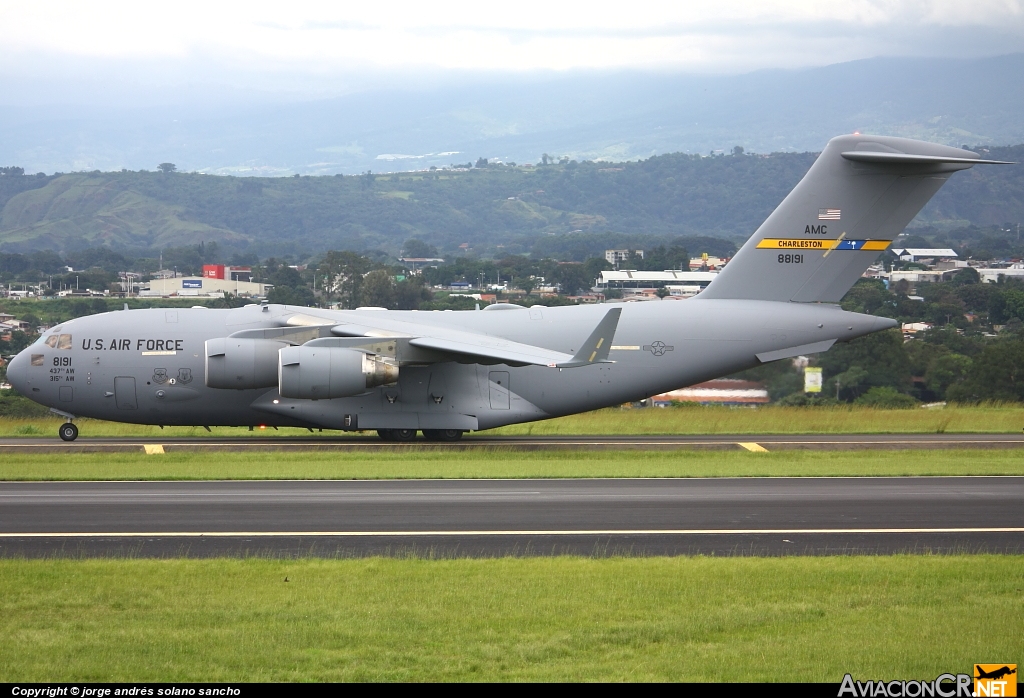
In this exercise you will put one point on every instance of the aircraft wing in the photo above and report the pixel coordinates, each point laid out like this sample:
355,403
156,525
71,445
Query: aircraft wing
452,341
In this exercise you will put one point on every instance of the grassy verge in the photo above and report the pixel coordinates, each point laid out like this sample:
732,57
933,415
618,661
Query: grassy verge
497,463
537,619
683,420
781,420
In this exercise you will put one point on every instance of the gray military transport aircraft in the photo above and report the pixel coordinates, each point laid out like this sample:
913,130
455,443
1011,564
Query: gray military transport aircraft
446,373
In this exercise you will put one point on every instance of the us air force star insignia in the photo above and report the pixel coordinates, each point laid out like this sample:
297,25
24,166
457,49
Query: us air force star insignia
658,348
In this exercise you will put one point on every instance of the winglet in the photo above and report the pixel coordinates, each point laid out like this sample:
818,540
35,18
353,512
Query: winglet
599,343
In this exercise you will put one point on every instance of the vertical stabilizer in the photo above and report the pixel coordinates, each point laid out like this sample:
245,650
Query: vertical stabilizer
857,197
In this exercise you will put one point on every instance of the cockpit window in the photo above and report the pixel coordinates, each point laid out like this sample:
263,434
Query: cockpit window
59,341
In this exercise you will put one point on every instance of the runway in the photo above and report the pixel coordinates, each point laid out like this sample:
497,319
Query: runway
481,518
321,442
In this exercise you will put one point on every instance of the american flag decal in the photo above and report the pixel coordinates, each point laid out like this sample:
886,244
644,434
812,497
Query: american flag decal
828,214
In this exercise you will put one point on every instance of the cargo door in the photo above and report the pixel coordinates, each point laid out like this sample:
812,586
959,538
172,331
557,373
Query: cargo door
499,390
124,393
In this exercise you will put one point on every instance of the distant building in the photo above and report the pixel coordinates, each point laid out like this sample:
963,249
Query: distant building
921,276
615,257
915,254
639,283
415,264
203,287
707,263
990,275
227,273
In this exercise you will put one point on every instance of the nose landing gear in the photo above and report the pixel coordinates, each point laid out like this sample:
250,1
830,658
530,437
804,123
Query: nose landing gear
68,431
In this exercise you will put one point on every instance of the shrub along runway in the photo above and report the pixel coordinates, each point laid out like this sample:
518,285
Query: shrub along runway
754,442
720,516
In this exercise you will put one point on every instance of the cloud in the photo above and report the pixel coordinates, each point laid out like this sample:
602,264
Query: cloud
310,46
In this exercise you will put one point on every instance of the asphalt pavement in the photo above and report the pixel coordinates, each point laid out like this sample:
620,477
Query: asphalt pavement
452,518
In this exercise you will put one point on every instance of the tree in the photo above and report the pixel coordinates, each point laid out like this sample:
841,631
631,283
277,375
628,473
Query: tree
996,374
343,276
378,290
417,248
573,277
481,162
167,167
663,292
966,276
877,359
737,150
409,294
946,370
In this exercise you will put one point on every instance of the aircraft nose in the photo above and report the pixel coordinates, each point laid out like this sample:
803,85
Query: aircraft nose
17,372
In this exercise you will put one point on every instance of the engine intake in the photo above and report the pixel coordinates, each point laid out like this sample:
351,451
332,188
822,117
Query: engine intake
315,373
242,364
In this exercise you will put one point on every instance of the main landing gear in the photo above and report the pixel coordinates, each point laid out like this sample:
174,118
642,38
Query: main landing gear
428,434
68,431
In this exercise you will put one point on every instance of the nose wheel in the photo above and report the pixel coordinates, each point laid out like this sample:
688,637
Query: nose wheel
68,431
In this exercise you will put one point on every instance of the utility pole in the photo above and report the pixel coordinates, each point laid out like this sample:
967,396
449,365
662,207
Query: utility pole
837,390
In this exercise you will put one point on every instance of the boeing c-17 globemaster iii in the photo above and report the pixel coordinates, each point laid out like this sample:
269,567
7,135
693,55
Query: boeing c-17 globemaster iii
446,373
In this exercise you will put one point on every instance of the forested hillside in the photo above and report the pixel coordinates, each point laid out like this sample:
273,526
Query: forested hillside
568,210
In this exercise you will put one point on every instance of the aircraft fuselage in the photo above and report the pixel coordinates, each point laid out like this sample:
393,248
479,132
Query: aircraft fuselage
149,366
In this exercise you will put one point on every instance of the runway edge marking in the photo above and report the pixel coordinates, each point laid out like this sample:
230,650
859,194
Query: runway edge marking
586,532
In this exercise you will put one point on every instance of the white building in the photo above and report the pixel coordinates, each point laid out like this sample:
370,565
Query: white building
914,254
199,287
991,275
632,279
921,276
614,257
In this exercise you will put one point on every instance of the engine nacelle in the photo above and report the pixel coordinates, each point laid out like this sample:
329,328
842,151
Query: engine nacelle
315,373
242,364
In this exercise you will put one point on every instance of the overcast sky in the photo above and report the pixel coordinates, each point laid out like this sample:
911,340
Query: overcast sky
325,47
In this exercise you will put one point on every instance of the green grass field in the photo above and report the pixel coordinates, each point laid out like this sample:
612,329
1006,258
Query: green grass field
535,619
503,463
683,420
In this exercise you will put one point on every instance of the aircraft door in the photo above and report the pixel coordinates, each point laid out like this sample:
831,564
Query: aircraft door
499,390
124,393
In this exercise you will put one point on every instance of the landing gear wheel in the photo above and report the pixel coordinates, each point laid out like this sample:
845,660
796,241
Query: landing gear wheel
385,435
68,431
403,434
443,434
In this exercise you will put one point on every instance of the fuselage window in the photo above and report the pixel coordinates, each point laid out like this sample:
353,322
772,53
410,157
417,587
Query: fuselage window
51,341
64,342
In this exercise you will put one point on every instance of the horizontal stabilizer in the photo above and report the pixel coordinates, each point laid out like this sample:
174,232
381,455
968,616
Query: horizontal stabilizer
909,159
802,350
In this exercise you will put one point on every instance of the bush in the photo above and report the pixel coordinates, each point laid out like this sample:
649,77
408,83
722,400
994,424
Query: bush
887,398
14,405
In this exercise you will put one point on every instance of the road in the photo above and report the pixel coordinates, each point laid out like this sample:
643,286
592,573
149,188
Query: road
720,516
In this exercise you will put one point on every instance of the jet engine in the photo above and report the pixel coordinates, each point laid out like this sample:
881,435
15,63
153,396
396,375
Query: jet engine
317,372
242,363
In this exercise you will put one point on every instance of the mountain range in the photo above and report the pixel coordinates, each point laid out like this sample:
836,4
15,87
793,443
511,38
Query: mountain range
610,116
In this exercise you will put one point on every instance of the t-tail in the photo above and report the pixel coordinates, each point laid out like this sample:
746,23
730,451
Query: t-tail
859,194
